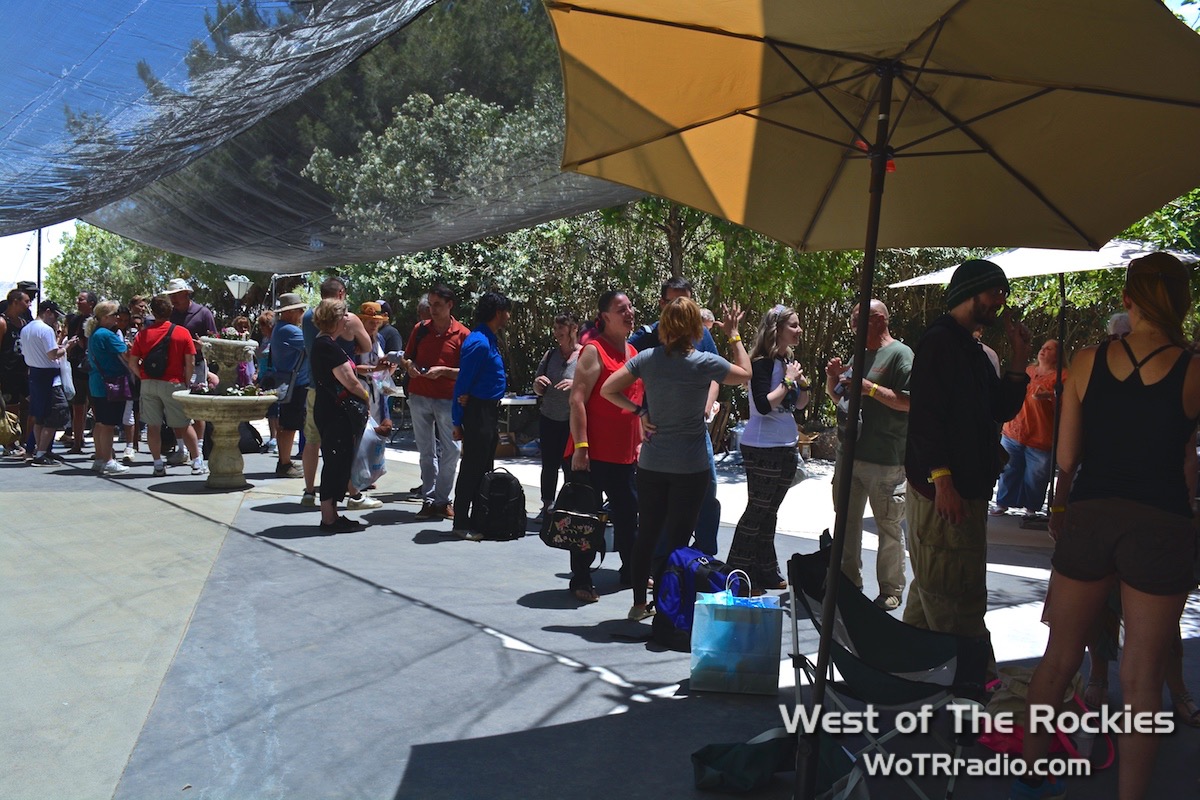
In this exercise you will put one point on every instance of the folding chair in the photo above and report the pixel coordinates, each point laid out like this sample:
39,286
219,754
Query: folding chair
880,660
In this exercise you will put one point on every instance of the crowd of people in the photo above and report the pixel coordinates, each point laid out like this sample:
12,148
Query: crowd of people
625,410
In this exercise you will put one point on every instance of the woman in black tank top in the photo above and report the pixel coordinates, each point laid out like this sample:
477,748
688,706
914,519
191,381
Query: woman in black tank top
1122,514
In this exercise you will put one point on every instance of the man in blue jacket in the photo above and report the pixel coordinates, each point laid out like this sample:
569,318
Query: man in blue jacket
475,411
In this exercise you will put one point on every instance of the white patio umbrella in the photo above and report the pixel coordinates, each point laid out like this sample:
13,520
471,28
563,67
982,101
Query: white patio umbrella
1028,262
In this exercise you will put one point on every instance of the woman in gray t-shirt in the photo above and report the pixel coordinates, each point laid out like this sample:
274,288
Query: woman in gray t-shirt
673,471
552,383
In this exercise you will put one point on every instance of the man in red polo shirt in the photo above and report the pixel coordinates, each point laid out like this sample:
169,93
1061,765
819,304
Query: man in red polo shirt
433,348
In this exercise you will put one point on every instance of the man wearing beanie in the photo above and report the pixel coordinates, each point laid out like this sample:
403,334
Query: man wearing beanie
953,452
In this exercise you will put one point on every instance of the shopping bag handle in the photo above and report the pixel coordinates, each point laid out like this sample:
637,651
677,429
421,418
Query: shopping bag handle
729,581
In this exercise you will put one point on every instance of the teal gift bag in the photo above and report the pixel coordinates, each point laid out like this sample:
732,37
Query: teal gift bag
736,643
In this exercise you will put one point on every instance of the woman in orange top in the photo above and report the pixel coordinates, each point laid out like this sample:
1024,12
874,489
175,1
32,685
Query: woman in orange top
602,450
1028,438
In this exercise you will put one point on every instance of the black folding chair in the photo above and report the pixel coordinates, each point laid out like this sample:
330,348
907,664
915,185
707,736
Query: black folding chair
878,660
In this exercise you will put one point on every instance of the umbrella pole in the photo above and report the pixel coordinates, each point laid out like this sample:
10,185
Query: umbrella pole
807,758
1058,388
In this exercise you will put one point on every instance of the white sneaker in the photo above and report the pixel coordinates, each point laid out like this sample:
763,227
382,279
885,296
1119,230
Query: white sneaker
199,467
363,502
129,456
177,458
113,468
272,447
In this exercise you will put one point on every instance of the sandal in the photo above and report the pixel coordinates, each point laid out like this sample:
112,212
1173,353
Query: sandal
1186,710
639,613
1095,694
585,595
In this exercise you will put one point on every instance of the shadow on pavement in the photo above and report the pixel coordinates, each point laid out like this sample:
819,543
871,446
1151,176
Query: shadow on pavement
620,752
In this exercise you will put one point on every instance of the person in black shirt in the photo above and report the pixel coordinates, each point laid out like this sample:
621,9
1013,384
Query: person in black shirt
336,387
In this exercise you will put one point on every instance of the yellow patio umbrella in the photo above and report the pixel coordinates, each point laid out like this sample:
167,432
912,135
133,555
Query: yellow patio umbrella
1024,122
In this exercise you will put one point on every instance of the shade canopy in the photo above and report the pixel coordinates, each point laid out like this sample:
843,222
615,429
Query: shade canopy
1029,262
1025,122
285,135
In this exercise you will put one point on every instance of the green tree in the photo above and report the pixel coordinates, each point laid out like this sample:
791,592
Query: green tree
117,268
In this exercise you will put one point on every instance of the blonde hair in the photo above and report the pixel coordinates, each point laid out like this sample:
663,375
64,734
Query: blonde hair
102,309
680,325
328,313
1158,285
766,338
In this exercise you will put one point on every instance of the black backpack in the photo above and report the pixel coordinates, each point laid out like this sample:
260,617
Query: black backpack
499,508
688,571
249,439
155,362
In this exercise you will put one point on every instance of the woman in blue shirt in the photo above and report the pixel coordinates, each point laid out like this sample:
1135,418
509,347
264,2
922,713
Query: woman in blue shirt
106,351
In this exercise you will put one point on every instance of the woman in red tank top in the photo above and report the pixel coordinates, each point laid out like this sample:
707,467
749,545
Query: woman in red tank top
602,450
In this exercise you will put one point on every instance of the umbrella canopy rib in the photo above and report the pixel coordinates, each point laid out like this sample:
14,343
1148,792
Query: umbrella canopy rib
1015,173
835,178
971,121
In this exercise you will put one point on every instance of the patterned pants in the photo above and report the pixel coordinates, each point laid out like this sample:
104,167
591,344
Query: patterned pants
769,474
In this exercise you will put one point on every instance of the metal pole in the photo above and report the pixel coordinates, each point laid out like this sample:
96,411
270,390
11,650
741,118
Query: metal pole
1058,387
40,293
806,766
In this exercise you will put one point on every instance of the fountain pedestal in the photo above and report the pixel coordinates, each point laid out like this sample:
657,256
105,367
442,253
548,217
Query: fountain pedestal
225,465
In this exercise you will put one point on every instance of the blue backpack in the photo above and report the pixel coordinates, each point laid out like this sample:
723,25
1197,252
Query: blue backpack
688,571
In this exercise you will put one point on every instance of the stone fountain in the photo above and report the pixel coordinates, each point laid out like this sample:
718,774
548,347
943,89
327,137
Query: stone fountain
225,412
227,353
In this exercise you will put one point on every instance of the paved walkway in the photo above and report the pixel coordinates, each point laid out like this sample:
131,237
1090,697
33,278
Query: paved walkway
161,641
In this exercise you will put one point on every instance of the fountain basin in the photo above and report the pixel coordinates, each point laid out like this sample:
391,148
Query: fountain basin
226,465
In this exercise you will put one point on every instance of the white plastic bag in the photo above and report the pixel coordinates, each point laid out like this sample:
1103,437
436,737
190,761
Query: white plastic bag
68,382
369,462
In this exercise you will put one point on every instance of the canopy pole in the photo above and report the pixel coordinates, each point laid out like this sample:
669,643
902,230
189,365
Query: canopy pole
40,291
808,758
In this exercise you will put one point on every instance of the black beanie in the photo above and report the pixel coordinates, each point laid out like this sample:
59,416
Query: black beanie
973,277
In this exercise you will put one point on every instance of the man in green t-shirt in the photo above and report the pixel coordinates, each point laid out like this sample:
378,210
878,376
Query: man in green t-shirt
878,474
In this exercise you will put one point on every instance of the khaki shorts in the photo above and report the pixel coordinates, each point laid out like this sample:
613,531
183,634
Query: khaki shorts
1149,549
159,405
311,434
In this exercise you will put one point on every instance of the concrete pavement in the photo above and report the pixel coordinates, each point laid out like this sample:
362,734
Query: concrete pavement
161,640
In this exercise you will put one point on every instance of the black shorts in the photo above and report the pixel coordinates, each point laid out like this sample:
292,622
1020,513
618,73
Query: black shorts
293,414
108,412
14,385
1148,548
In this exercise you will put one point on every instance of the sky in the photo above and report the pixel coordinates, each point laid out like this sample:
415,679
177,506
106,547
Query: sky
18,254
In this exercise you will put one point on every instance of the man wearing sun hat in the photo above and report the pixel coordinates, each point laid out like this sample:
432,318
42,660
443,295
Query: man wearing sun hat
953,453
288,356
199,321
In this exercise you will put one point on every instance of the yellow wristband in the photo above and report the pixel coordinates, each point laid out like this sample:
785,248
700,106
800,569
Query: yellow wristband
580,444
938,473
737,337
871,393
1057,509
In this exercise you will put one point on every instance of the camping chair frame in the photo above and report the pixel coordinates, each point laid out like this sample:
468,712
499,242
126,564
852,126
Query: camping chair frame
882,661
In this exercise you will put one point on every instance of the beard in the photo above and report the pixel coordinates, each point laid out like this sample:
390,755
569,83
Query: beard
982,313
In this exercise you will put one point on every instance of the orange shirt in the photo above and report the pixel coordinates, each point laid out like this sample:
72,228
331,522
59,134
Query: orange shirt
1034,425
